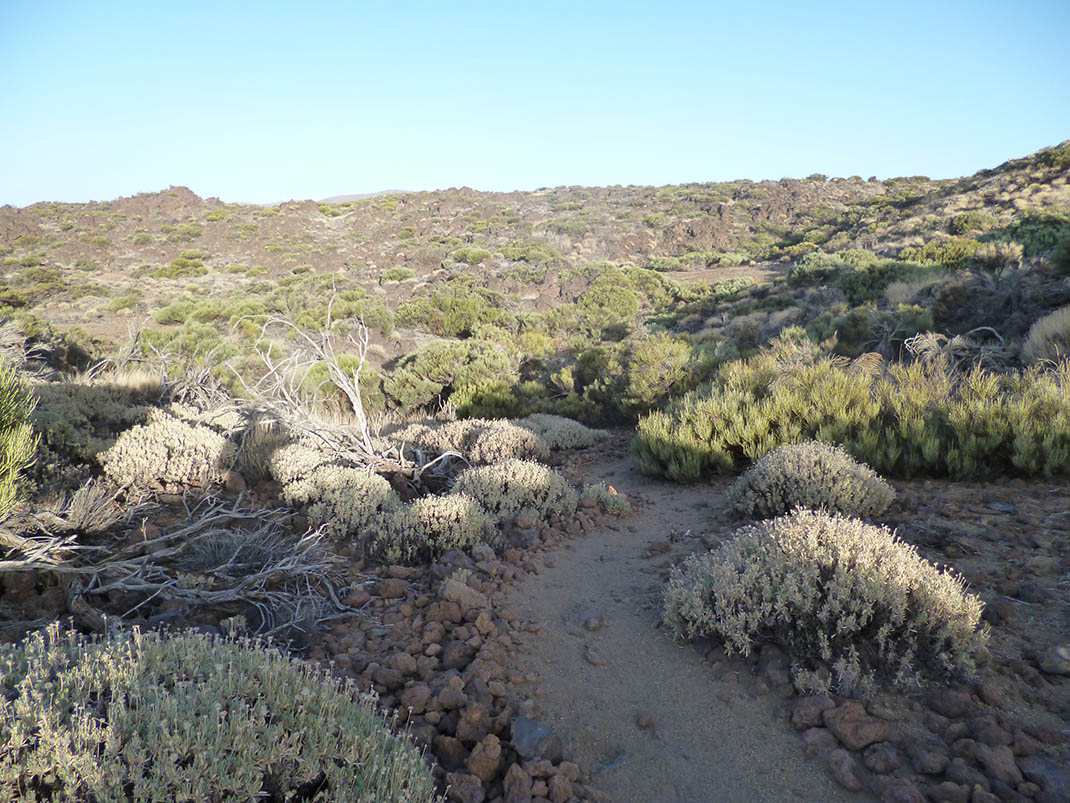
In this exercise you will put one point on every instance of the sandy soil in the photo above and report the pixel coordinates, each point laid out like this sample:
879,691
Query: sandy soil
715,735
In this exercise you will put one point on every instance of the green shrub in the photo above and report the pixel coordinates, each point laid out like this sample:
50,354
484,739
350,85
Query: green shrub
952,253
452,311
181,268
395,275
971,221
318,381
529,252
125,302
155,718
143,238
912,419
607,500
1049,337
816,268
168,455
832,591
182,233
471,256
608,304
811,475
17,439
513,487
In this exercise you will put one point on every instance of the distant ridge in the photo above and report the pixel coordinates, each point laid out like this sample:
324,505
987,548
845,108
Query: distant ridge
337,199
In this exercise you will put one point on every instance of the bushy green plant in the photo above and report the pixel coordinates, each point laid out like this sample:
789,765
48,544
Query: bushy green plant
160,718
167,454
17,439
608,501
608,304
452,311
816,267
834,591
952,253
395,275
811,475
471,255
513,487
529,252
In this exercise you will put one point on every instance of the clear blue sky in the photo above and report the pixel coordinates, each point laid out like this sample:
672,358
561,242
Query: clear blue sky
269,101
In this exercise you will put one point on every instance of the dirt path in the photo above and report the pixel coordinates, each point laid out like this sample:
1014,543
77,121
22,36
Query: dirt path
715,736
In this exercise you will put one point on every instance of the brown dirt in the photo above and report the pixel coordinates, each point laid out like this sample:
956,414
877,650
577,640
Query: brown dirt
715,735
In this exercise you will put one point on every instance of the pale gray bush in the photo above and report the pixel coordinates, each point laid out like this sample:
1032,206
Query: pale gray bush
511,487
812,475
833,590
157,719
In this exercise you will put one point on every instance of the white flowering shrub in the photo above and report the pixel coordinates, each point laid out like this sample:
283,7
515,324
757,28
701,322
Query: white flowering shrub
559,433
511,487
158,718
295,461
431,525
482,441
168,455
834,590
812,475
349,502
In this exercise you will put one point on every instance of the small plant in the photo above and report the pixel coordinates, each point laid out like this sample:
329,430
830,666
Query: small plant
810,475
832,591
471,256
559,433
1048,338
513,487
17,439
347,502
431,525
155,718
167,454
395,275
608,500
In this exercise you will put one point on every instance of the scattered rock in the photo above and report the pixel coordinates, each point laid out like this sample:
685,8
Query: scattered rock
644,721
842,767
466,597
948,792
451,754
1056,660
416,697
453,696
808,710
1048,774
532,739
486,758
999,763
517,785
594,658
560,789
882,758
464,788
900,790
392,588
854,727
818,740
953,704
592,620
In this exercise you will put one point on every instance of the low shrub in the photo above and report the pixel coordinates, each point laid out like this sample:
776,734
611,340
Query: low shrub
560,433
1049,337
607,500
834,592
479,440
154,718
810,475
347,502
917,418
512,487
953,253
395,275
431,525
167,454
471,256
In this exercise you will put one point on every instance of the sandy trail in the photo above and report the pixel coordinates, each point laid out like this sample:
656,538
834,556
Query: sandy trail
715,737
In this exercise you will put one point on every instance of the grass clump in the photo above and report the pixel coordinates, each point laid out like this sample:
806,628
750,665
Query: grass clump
514,487
810,475
606,499
18,442
835,593
146,717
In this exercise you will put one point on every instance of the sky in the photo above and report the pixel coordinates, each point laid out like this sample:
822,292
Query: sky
263,102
